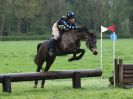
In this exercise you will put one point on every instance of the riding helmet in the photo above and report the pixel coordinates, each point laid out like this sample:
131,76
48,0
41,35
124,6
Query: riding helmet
70,15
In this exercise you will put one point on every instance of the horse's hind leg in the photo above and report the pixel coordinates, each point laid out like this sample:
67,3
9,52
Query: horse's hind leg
38,70
49,62
39,67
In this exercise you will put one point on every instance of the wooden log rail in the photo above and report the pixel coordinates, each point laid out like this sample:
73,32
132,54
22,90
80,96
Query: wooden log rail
6,79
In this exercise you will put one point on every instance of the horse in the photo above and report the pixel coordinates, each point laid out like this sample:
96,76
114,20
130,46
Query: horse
68,44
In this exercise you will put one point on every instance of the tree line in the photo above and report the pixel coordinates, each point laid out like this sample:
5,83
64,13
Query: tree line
36,17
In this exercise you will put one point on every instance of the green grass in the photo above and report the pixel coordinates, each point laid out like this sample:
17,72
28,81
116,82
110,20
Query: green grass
17,56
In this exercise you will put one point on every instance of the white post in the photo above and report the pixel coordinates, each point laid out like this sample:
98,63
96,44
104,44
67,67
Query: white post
101,52
113,59
103,29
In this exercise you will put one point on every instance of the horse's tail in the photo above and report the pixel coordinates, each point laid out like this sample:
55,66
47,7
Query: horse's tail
36,56
38,46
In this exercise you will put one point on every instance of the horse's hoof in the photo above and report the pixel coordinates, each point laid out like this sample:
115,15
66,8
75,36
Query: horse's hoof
42,86
77,58
35,86
70,60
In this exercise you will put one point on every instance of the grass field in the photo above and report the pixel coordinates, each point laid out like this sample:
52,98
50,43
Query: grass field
17,56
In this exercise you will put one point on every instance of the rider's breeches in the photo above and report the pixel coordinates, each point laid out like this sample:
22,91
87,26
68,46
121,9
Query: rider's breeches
55,31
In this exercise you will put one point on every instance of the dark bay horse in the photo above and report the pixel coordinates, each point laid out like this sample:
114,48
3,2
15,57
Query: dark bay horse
68,44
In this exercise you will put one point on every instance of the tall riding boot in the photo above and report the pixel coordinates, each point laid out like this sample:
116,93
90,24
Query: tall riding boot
51,46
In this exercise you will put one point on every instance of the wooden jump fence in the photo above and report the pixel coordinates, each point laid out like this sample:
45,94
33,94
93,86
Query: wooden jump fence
123,74
76,76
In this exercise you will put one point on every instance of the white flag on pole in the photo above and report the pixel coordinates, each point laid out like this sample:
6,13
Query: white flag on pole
103,29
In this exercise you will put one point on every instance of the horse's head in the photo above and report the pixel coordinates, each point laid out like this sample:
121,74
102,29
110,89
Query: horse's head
90,39
91,43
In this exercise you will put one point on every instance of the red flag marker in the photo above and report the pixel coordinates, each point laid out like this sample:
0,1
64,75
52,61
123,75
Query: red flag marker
112,28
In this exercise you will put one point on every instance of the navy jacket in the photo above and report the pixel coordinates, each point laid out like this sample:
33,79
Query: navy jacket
63,25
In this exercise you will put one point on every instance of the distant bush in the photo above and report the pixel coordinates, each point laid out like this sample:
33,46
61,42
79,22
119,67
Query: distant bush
17,38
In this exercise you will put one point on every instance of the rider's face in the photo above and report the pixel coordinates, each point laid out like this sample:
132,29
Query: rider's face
72,20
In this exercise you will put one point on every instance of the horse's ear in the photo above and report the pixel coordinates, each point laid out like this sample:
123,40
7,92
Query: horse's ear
85,29
92,35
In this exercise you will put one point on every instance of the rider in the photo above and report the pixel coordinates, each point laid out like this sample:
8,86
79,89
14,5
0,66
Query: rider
65,23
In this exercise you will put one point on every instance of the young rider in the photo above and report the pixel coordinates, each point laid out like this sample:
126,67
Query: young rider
65,23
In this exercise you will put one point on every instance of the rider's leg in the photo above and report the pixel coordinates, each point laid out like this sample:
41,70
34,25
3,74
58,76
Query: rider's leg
53,40
52,46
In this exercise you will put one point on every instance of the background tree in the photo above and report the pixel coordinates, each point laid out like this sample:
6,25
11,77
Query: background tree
36,17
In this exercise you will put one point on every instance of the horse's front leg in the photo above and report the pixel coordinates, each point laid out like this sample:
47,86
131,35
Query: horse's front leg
72,58
82,51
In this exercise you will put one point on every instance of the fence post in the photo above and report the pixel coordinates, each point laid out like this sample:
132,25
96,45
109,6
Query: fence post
76,80
116,72
120,72
6,84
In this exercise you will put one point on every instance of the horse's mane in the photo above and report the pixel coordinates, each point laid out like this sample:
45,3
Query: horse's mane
83,29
